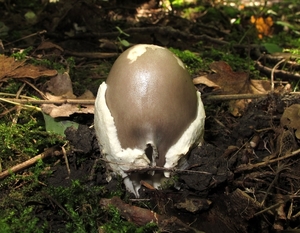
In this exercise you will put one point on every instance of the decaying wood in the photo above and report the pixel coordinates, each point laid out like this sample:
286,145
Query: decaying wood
232,212
141,216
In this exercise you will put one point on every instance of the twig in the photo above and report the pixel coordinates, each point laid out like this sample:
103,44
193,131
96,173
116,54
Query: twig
35,88
235,96
268,192
57,203
284,75
272,74
15,95
92,54
8,111
20,91
267,209
66,158
15,102
266,163
93,170
241,96
25,37
59,102
92,101
50,152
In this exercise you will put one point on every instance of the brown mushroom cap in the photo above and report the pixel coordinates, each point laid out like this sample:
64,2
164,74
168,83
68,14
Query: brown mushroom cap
152,99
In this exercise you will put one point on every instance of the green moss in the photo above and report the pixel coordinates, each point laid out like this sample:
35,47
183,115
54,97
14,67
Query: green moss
27,138
22,54
89,77
11,86
237,63
193,62
21,220
18,192
84,214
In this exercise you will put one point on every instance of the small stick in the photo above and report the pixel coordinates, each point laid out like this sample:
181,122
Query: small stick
59,102
272,74
66,158
50,152
92,101
266,163
25,37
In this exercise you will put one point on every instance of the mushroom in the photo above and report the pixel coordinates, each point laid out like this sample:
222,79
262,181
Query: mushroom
148,114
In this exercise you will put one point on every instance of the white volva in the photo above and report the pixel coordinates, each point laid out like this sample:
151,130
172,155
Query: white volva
148,101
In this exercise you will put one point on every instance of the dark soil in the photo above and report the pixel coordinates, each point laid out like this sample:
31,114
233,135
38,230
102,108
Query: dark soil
218,193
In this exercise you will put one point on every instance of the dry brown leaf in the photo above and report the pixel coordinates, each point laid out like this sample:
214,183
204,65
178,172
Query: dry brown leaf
61,87
9,68
204,80
291,118
259,86
226,81
231,82
66,110
60,84
45,45
31,71
193,204
67,95
86,95
237,107
7,65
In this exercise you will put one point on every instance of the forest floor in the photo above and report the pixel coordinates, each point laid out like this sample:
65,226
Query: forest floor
244,178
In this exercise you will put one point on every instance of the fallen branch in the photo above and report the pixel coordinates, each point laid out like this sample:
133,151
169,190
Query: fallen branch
266,163
53,151
92,54
58,102
141,216
92,101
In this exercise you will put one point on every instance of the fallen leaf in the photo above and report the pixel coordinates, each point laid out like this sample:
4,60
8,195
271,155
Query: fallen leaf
259,86
60,84
204,80
237,107
66,110
68,95
61,87
46,45
193,204
230,82
226,81
10,68
86,95
291,118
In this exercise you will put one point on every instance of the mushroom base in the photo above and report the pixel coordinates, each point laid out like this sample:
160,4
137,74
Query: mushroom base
120,160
